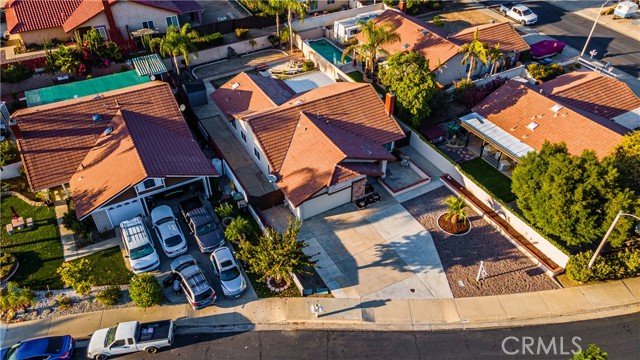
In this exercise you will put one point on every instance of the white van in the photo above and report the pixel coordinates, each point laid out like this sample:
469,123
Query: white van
142,254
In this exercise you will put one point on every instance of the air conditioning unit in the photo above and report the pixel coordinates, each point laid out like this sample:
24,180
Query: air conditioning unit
503,165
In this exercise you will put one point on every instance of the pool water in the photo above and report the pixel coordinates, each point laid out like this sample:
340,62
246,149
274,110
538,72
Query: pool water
329,52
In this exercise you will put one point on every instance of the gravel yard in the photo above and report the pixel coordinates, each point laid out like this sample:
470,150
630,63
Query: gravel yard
508,270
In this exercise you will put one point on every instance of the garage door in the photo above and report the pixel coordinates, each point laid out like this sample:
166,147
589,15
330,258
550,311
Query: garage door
124,211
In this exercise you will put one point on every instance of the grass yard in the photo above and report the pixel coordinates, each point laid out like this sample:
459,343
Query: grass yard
359,77
108,268
498,183
39,251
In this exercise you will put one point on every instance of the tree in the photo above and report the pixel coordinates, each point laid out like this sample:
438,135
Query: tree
177,42
495,57
237,229
626,158
276,254
145,291
376,36
408,77
473,52
574,198
271,8
8,153
77,274
253,44
593,352
285,35
67,59
297,7
457,212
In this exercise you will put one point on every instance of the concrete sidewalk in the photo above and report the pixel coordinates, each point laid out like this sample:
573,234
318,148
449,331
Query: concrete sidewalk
553,306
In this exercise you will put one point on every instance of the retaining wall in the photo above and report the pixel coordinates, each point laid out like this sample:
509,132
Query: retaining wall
220,52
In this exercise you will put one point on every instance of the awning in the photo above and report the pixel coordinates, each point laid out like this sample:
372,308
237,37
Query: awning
144,31
492,133
149,65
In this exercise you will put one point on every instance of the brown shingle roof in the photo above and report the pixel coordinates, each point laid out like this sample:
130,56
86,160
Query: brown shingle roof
433,45
492,34
28,15
592,92
515,105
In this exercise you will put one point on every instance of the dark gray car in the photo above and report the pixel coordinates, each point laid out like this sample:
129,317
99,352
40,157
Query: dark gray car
203,225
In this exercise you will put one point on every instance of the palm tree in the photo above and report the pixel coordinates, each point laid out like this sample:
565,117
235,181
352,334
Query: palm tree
293,6
253,44
376,36
176,42
456,211
495,56
474,51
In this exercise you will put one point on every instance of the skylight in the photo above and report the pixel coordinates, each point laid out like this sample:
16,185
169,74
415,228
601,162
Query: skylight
235,86
532,125
556,108
405,46
108,131
96,117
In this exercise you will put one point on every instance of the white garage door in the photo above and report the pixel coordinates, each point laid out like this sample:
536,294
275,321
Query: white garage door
124,211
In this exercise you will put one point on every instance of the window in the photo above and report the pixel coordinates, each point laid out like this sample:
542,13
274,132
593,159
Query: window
243,136
149,183
172,20
233,123
148,24
329,2
118,343
256,153
103,32
130,341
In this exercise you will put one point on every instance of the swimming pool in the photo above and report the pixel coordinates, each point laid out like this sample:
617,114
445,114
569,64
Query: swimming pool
329,52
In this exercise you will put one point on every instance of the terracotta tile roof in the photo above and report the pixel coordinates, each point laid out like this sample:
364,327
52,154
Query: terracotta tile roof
492,34
28,15
342,173
516,105
432,44
253,93
592,92
349,170
59,137
354,107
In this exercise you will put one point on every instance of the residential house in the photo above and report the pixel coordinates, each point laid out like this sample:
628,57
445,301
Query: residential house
114,152
518,118
442,51
319,146
36,20
319,6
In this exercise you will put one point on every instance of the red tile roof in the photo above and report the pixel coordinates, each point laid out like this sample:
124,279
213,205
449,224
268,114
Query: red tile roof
28,15
592,92
492,34
515,105
85,12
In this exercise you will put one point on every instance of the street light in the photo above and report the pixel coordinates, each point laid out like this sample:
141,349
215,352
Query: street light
584,49
606,236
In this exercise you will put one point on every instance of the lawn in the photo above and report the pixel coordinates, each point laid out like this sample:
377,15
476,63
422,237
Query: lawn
358,76
39,251
108,268
498,183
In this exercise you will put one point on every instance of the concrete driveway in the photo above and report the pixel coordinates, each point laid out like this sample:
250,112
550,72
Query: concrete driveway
378,252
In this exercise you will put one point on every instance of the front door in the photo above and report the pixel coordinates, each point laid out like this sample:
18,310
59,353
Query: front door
357,189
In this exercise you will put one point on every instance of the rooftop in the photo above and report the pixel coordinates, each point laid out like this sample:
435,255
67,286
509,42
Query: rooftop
308,81
493,34
149,65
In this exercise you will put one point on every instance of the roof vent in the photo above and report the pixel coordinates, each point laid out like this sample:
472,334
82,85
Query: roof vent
299,102
532,125
96,117
235,86
108,131
556,108
97,97
424,31
405,46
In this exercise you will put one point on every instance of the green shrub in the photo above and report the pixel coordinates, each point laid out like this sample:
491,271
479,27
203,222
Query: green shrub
608,11
209,40
624,263
242,33
15,73
544,73
461,88
225,210
64,302
591,353
437,22
145,291
238,227
80,228
308,65
8,152
77,274
7,262
110,295
14,297
273,39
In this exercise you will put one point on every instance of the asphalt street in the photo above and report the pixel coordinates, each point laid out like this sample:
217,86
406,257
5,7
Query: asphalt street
622,51
617,335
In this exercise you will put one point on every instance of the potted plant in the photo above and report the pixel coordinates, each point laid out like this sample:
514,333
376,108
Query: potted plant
455,221
225,212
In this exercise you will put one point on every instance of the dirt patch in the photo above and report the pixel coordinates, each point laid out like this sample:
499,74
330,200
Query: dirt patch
457,18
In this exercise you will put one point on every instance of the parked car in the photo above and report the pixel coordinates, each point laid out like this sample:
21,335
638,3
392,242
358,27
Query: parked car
546,48
139,246
195,285
519,13
168,231
226,269
54,348
129,337
203,225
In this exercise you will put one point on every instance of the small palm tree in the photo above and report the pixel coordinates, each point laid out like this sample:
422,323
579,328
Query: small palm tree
457,212
495,56
293,6
376,36
176,42
473,52
253,44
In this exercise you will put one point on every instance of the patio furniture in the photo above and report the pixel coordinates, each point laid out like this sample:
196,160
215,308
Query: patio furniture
18,223
30,223
10,229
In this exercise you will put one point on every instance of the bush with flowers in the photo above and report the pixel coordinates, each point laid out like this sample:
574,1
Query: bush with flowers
87,51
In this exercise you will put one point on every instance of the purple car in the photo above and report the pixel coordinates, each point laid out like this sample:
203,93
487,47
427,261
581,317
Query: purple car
53,348
546,48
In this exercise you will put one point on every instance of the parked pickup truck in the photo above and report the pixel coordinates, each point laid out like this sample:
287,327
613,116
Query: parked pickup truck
131,336
519,13
203,225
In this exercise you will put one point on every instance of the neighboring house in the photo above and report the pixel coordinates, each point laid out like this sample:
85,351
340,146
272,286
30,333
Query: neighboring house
443,51
316,6
115,150
320,145
598,94
517,118
36,20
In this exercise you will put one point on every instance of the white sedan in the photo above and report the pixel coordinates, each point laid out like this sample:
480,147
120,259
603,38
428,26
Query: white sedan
168,231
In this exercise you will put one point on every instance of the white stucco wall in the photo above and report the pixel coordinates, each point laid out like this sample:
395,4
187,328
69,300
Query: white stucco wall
250,144
323,203
132,14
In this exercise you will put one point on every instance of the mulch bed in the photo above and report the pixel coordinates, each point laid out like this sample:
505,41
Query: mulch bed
508,270
456,228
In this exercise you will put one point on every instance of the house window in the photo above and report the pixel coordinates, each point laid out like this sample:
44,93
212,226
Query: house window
149,183
148,24
233,123
256,153
243,136
103,32
329,2
172,20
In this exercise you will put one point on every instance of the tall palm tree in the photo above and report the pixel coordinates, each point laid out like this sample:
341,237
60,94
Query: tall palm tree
293,6
473,52
376,36
176,42
495,56
457,210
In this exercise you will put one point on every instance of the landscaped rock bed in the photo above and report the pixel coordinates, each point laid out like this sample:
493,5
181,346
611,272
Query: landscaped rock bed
508,270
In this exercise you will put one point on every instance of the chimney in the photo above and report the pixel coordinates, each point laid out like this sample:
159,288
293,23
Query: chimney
402,5
389,103
15,129
114,32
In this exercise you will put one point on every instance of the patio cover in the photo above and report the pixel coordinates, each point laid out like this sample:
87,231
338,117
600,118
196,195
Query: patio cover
486,130
149,65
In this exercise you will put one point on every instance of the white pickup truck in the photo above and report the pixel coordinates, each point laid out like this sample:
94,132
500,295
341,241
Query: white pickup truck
519,13
131,336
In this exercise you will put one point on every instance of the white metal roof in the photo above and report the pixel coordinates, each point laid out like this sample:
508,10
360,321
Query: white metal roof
630,119
309,81
496,135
